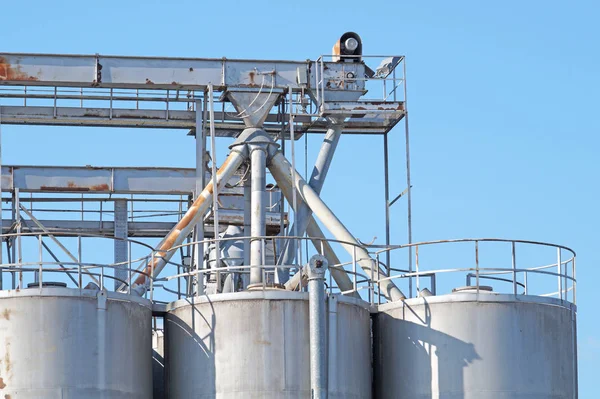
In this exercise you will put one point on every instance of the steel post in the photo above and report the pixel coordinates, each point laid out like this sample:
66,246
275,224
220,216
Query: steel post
317,266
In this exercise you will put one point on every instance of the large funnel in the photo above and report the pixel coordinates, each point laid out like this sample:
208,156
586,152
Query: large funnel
253,104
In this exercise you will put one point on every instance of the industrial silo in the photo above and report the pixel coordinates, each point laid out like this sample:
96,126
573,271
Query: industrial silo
476,345
256,345
62,342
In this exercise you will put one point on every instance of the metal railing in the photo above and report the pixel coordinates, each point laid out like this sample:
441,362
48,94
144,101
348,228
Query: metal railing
28,265
388,78
514,274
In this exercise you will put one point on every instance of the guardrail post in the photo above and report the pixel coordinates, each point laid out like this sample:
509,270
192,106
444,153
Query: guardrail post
559,267
417,269
514,267
477,265
40,278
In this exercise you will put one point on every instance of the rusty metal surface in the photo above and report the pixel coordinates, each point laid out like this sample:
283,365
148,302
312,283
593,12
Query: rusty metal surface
74,343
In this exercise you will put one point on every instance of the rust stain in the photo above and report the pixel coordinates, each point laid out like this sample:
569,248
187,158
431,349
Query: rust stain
175,83
6,314
72,186
2,384
252,75
8,72
7,362
149,82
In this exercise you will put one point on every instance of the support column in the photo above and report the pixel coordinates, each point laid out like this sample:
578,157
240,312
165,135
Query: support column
317,266
258,159
121,235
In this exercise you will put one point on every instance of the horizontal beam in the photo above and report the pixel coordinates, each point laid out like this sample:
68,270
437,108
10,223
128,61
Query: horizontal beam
109,180
164,73
99,180
146,229
143,118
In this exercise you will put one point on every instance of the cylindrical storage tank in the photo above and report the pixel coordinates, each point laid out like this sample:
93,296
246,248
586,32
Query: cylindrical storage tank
255,344
469,346
70,343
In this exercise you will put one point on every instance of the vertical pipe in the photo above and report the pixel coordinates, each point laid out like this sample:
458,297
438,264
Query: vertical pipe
19,248
386,175
247,224
294,195
120,242
258,162
332,382
317,267
200,184
215,197
408,183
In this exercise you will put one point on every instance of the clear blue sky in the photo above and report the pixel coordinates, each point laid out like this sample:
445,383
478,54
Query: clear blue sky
503,99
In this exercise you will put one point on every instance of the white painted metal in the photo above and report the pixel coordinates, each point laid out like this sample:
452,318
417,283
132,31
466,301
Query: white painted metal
255,344
471,346
71,343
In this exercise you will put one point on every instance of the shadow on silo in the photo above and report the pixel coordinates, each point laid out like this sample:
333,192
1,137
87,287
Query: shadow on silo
190,356
412,360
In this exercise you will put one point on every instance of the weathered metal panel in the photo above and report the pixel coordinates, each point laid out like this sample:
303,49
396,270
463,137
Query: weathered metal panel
475,347
140,72
68,343
255,345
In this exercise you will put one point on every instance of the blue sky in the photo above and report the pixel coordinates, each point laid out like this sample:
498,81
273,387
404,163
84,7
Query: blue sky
502,98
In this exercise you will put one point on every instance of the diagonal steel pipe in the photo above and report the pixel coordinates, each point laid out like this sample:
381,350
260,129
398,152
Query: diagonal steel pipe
282,172
330,142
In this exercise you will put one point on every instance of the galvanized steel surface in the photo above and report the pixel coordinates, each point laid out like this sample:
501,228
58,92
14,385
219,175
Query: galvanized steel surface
71,343
469,346
256,345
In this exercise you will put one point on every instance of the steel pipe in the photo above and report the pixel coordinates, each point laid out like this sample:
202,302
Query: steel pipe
258,159
318,239
247,217
191,218
316,181
317,266
282,173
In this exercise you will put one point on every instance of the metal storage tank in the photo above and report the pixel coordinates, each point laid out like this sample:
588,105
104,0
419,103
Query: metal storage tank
70,343
465,345
255,344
